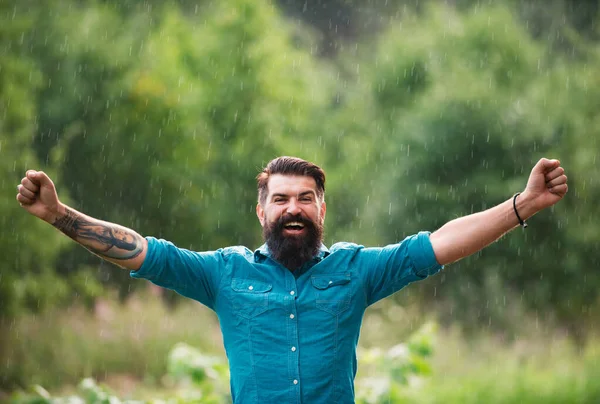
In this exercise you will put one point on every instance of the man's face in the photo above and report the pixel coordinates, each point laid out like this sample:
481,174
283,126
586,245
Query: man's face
292,219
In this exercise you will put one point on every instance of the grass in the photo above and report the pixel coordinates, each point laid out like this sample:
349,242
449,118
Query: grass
548,371
125,347
539,364
132,341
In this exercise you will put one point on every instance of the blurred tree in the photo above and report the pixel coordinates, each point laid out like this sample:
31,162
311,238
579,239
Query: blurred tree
469,102
342,23
166,124
158,115
28,246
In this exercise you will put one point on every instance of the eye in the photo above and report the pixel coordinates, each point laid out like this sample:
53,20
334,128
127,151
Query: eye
306,199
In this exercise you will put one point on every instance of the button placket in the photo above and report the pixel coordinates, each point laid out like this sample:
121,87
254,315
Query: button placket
293,338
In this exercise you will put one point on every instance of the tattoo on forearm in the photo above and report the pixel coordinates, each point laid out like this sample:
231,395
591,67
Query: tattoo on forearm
105,239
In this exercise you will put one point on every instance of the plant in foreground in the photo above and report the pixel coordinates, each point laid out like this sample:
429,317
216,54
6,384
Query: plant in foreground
204,379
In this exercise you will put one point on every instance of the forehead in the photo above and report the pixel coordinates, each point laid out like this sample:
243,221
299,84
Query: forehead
291,184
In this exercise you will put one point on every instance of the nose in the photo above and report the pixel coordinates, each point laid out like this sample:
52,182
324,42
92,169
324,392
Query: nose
293,208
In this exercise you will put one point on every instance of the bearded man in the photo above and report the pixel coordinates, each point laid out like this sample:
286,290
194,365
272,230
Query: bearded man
290,312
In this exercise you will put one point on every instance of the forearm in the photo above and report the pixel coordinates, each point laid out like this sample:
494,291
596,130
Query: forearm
464,236
117,244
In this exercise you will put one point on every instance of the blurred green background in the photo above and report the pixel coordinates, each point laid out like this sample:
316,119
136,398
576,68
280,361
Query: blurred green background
157,115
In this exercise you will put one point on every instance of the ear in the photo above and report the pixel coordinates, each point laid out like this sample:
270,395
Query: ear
260,213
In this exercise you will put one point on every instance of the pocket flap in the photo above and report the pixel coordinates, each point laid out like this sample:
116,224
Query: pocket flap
250,286
327,281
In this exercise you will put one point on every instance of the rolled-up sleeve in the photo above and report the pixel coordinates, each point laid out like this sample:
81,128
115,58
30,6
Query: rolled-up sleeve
391,268
192,274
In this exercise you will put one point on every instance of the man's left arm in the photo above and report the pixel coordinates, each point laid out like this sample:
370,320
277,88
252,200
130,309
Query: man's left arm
466,235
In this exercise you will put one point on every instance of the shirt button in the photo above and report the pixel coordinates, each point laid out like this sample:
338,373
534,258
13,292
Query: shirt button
250,287
292,316
292,293
295,381
293,349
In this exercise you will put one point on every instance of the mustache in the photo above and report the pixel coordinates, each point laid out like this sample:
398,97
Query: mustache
286,218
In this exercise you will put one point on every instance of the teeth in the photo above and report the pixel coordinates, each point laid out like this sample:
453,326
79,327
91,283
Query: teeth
294,224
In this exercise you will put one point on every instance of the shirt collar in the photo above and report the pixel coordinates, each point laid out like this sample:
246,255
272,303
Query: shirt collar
263,251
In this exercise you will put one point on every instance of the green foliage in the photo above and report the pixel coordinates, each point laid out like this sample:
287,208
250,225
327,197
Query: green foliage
169,126
491,101
207,376
203,379
133,339
401,367
28,247
88,392
27,244
158,115
431,367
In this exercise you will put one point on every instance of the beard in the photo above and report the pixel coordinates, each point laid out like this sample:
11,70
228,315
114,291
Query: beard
293,251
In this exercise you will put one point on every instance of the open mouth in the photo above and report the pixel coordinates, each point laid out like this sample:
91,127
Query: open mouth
294,226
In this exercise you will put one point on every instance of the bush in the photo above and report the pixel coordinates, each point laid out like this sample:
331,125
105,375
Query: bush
203,379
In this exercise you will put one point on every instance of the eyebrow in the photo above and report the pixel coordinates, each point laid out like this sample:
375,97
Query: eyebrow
299,195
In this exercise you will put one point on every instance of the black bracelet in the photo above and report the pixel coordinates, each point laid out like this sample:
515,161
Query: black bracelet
521,221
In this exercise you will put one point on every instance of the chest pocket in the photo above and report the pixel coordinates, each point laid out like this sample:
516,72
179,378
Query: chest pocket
333,292
250,298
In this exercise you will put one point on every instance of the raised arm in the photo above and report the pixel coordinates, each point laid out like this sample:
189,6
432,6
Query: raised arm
114,243
464,236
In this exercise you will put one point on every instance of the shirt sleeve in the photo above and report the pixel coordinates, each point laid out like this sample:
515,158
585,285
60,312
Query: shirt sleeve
192,274
392,267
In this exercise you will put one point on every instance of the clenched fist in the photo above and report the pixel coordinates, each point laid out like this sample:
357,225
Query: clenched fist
547,184
37,195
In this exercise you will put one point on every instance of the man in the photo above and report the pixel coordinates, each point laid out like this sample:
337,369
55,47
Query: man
290,312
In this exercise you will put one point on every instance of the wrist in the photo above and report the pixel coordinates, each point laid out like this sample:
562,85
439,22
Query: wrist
56,213
525,205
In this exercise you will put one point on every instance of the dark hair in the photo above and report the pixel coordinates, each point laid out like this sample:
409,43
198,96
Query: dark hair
289,166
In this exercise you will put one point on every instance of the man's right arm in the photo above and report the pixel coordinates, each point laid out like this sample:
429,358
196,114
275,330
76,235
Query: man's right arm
114,243
117,244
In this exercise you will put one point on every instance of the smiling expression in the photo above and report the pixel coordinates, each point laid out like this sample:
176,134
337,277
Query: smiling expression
291,195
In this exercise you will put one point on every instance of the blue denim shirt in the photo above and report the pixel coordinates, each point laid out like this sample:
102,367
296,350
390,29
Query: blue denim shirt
290,337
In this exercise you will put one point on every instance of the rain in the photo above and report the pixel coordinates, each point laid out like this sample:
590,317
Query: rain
133,135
